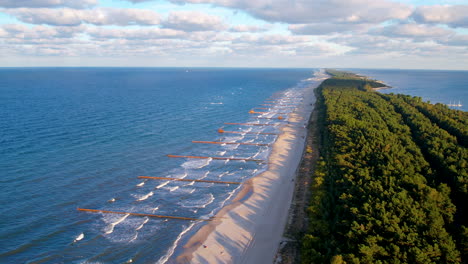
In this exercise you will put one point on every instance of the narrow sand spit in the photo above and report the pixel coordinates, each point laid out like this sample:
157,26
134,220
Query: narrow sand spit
250,228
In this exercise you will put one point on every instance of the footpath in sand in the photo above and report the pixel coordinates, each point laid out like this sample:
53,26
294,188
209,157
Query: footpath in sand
250,228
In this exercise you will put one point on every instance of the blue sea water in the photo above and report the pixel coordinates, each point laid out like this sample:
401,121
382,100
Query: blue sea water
436,86
79,137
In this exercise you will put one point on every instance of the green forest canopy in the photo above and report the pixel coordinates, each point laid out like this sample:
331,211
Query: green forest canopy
391,185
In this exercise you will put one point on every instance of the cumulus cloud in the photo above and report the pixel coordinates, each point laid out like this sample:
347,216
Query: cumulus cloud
142,33
74,17
249,28
307,11
455,15
193,21
271,40
413,31
390,48
326,28
48,3
22,32
455,40
318,49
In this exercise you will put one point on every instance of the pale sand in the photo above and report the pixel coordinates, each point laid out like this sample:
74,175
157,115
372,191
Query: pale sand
250,228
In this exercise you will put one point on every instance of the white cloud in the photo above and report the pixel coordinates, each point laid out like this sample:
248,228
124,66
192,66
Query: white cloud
22,32
48,3
249,28
272,40
390,47
413,31
455,40
326,28
141,34
193,21
308,11
454,15
74,17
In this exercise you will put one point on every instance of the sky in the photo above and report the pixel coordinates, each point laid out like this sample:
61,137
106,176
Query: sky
402,34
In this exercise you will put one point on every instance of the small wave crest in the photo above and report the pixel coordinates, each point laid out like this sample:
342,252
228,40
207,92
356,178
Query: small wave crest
110,228
199,203
196,164
79,237
173,188
146,196
162,185
142,224
171,250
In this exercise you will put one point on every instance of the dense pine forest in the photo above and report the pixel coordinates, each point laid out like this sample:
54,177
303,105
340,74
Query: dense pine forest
391,183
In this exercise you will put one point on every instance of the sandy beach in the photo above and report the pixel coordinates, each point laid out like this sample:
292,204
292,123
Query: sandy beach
250,228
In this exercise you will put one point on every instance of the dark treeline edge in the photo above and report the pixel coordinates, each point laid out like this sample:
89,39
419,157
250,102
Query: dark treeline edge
377,197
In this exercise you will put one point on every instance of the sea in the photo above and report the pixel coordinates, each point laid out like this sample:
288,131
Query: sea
80,138
434,86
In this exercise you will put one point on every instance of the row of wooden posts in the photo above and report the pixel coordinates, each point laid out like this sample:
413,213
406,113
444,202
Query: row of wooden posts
267,103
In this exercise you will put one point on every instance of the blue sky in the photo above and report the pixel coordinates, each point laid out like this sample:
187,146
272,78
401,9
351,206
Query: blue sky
419,34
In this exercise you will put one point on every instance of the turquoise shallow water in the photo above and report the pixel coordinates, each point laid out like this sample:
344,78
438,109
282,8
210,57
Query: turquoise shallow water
79,137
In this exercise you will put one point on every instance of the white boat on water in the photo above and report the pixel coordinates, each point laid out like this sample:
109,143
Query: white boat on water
454,104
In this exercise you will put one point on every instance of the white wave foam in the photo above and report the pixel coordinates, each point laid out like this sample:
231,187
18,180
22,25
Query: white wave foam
133,239
186,190
169,253
111,200
110,227
222,174
205,175
79,237
144,197
189,184
142,224
140,184
200,203
206,164
155,209
162,185
220,103
173,188
196,164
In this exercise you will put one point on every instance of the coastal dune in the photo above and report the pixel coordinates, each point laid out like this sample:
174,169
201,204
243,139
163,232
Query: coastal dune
250,228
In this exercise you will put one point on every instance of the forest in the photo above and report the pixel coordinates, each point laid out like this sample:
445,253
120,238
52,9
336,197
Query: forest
391,182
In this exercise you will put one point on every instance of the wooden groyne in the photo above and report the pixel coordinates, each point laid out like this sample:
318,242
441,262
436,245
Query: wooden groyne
215,158
250,124
276,113
187,180
249,132
279,118
285,105
139,214
229,143
278,105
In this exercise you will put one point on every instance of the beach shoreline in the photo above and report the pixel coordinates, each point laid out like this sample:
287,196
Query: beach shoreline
250,228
